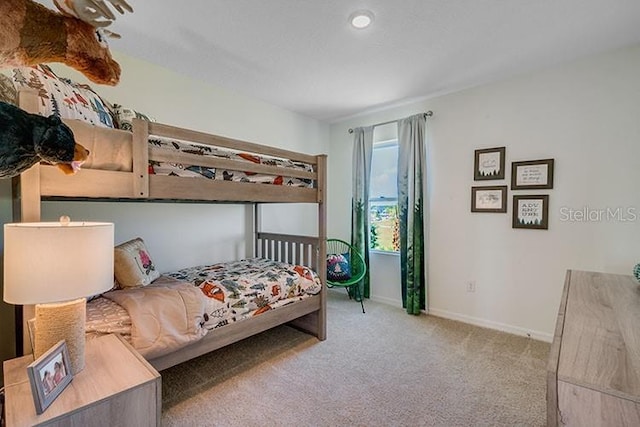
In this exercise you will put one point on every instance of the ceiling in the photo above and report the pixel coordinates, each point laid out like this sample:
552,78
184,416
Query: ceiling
304,56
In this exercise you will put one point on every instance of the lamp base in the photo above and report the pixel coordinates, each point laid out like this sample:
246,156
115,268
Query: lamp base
61,321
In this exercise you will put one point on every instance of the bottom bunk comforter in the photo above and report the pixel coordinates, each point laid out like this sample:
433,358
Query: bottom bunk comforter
182,306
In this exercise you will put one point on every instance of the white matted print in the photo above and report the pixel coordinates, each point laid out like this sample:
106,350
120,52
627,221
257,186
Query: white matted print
489,199
532,174
531,212
489,164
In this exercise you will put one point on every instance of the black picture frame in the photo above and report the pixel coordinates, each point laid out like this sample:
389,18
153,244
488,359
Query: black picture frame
49,375
492,199
489,164
532,174
531,212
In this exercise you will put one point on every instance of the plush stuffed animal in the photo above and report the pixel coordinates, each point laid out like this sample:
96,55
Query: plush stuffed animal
31,34
94,12
26,139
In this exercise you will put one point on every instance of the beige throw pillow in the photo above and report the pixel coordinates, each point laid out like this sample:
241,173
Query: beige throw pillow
133,266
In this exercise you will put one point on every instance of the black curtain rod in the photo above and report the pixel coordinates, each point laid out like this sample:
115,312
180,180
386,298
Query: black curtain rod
427,114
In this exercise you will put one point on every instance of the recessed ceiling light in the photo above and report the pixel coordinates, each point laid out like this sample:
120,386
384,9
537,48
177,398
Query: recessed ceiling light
361,19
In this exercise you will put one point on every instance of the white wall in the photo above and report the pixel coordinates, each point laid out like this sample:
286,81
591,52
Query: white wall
180,235
585,115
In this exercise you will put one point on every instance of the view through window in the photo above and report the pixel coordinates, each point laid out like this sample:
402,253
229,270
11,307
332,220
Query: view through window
383,198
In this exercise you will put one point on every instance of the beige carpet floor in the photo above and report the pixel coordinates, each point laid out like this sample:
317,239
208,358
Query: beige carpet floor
382,368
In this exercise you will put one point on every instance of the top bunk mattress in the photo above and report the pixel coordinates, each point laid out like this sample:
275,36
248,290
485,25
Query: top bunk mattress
179,169
111,150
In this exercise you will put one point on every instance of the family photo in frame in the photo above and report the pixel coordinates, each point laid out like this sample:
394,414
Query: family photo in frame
49,375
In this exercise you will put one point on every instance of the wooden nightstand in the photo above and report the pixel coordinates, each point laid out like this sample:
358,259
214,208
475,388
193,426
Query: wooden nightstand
117,387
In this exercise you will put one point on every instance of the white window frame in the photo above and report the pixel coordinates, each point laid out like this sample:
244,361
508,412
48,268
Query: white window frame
379,145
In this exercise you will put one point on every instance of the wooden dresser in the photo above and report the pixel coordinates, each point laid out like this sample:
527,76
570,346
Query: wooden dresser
593,374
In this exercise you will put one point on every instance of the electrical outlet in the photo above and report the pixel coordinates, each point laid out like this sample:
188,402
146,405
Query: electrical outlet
471,286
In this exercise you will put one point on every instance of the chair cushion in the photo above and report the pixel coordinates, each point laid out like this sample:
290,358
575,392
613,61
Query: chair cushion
338,267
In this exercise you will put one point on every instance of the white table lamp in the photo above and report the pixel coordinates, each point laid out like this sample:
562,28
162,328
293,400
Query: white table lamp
55,265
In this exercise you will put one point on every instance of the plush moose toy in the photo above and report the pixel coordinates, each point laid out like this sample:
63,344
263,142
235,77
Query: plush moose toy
31,34
26,139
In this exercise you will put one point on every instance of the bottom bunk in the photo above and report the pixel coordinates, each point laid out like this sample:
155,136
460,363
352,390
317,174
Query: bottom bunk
302,314
190,312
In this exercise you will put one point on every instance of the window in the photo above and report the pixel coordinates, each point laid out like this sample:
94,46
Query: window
383,198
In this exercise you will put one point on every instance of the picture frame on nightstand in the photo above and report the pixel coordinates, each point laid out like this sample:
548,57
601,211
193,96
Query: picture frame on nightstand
49,375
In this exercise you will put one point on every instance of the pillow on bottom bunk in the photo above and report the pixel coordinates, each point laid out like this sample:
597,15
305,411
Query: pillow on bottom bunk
133,266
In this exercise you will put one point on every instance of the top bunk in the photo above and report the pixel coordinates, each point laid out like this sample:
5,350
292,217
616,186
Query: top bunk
159,162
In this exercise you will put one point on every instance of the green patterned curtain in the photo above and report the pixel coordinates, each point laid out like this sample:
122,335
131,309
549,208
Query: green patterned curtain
411,185
362,151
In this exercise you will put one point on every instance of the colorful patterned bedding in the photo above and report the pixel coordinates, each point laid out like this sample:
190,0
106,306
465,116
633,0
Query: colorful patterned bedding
107,317
241,289
177,169
233,291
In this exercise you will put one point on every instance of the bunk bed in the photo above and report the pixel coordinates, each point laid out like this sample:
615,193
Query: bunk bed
105,180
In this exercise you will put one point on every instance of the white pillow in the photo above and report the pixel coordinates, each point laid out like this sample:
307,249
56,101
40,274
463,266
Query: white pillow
133,266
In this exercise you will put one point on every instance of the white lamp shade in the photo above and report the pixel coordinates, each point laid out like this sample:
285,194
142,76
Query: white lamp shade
53,262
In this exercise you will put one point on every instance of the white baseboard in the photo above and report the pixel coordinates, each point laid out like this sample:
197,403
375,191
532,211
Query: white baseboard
516,330
388,301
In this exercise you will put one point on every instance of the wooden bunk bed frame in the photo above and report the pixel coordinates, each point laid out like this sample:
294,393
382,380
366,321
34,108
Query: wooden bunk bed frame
46,182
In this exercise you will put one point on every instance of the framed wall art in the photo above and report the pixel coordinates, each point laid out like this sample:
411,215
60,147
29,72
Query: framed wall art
531,211
49,375
532,175
489,199
489,164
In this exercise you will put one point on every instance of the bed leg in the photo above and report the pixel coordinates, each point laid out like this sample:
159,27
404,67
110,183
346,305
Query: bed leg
311,324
